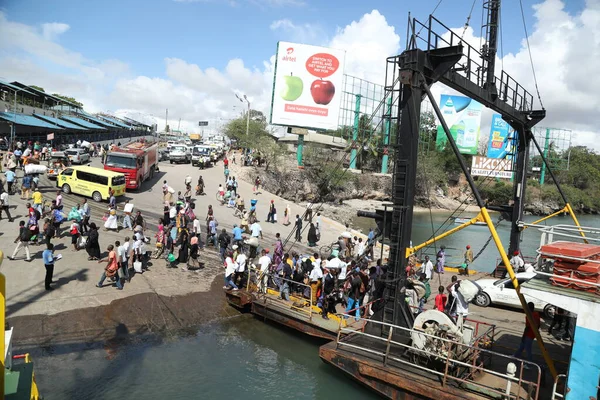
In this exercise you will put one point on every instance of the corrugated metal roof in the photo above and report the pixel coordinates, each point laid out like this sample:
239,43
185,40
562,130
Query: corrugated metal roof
60,122
82,122
114,121
16,88
27,120
95,120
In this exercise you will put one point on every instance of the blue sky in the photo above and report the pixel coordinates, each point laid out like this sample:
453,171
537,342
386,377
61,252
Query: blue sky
190,56
210,33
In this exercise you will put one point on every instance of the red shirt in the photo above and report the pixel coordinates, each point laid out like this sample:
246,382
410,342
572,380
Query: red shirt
528,331
225,161
440,302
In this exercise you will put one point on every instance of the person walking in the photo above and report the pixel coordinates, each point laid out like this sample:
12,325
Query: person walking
427,268
111,268
441,260
528,335
85,217
298,226
48,257
22,241
92,245
224,241
271,213
467,261
4,206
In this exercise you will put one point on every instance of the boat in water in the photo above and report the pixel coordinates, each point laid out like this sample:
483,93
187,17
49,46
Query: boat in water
19,378
461,221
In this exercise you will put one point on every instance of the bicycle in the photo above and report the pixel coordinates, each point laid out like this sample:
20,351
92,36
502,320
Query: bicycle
326,250
238,213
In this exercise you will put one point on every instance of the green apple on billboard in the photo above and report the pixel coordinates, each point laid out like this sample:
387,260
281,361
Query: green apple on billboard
307,86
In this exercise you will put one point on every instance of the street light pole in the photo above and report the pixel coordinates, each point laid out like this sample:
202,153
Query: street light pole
245,99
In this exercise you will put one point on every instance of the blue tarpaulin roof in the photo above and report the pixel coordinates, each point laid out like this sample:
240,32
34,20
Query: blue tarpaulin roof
115,122
95,120
27,120
60,122
82,122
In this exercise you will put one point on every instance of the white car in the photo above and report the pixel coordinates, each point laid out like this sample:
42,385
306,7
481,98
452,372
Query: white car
502,292
78,156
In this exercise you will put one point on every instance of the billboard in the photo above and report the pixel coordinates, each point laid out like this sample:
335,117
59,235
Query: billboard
463,117
307,88
501,138
491,167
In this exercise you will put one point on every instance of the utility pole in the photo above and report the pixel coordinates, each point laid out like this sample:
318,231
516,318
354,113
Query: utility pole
167,120
245,100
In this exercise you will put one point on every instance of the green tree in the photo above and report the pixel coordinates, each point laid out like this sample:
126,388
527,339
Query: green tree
427,132
41,89
68,98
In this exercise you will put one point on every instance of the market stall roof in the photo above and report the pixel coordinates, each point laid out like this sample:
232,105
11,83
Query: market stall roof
14,88
114,121
60,122
82,122
94,120
39,93
27,120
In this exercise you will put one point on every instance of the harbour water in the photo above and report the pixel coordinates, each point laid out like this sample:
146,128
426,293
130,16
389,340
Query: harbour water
235,357
476,236
239,357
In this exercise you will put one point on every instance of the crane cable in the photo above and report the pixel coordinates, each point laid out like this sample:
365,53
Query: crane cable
468,20
530,56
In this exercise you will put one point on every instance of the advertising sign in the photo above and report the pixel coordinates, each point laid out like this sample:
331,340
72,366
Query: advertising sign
50,136
307,88
491,167
501,134
463,117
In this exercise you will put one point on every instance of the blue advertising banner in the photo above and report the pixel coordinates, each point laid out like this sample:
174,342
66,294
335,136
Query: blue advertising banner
463,116
501,138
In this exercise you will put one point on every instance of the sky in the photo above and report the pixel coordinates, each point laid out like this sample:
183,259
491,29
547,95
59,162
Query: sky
140,57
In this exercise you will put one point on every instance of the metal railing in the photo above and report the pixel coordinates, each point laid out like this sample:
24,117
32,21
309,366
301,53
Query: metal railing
261,280
555,394
470,367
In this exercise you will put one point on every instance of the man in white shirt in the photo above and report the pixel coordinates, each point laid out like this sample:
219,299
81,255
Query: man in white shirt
196,228
427,268
240,273
264,262
230,268
317,262
360,247
4,206
316,274
256,230
516,261
343,272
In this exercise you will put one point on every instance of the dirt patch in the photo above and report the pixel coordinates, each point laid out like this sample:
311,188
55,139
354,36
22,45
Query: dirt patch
146,313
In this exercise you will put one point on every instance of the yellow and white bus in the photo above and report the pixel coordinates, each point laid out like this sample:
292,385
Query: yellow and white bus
91,182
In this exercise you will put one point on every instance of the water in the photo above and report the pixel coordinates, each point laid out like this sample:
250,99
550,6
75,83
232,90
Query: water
239,357
475,236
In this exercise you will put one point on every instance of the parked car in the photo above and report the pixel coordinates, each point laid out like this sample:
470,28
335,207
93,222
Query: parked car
179,154
502,292
78,156
57,162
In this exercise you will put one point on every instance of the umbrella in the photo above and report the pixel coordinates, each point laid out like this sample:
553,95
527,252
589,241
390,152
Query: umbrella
346,235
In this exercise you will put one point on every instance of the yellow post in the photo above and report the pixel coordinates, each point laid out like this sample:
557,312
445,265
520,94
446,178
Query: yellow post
565,209
412,250
2,325
515,282
574,217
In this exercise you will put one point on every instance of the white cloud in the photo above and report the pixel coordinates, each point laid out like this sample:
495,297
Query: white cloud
368,42
304,33
565,48
52,30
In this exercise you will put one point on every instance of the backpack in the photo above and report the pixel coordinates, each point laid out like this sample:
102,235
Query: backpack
25,235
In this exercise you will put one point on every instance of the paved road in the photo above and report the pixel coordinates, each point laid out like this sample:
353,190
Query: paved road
76,276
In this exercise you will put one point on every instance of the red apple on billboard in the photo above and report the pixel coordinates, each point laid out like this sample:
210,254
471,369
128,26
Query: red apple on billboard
322,91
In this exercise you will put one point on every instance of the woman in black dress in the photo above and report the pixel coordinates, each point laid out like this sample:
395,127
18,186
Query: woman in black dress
183,242
312,235
93,245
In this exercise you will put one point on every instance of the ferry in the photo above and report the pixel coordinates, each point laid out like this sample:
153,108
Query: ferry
18,382
461,221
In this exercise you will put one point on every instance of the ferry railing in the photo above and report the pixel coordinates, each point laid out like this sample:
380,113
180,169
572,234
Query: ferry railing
555,388
274,277
473,366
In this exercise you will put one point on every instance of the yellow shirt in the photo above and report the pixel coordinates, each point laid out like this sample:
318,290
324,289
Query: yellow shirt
37,197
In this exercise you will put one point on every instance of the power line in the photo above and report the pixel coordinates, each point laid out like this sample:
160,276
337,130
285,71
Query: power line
530,56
